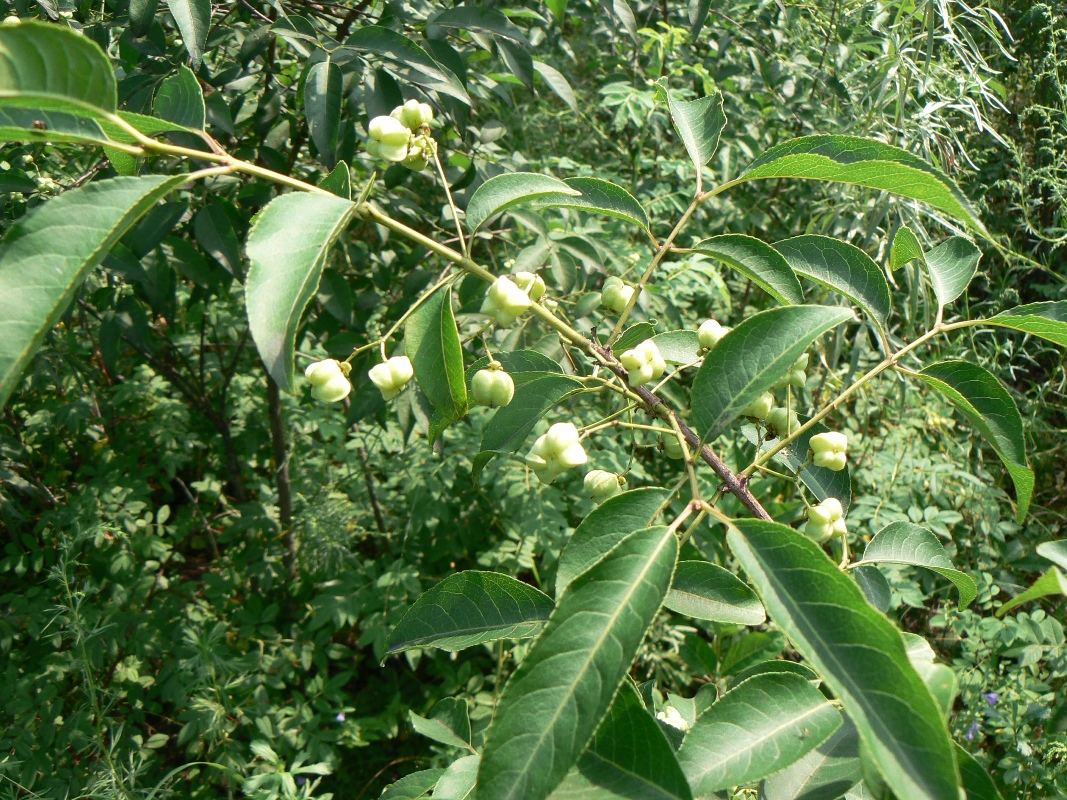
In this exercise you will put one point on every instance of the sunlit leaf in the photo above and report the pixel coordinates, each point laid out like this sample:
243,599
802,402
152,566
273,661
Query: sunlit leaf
702,590
503,191
757,261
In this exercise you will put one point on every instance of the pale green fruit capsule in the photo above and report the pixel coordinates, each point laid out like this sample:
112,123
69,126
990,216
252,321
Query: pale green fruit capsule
12,20
391,376
388,131
672,448
505,301
492,387
374,148
413,114
818,532
320,372
531,283
783,421
602,485
416,161
393,152
615,295
555,451
332,391
796,376
829,450
760,407
709,333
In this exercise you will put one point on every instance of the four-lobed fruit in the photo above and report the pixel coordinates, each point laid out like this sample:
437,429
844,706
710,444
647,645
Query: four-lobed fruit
492,386
796,376
389,138
643,363
391,375
602,485
672,448
413,114
329,380
825,520
709,333
555,451
829,450
616,295
403,135
783,421
531,283
505,301
760,407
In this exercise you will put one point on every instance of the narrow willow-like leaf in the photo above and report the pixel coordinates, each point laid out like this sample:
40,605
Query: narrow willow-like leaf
906,247
865,162
599,197
699,124
857,651
875,587
976,781
1051,583
678,347
470,608
500,193
628,758
558,83
1056,552
560,693
287,249
698,14
702,590
181,100
606,526
480,20
322,105
756,728
1047,320
952,265
457,783
47,254
978,395
413,786
46,66
193,18
449,723
907,543
842,267
432,342
751,357
757,261
826,773
408,59
214,232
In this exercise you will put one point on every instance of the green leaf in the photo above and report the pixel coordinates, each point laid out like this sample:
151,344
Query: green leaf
47,254
339,181
597,196
826,773
560,693
952,265
875,586
976,781
633,336
287,249
522,365
842,267
432,343
1056,552
699,124
756,728
449,723
858,653
865,162
698,14
757,261
775,666
413,786
458,781
702,590
38,125
907,543
479,20
751,357
604,527
470,608
511,424
500,193
142,14
678,347
46,66
193,18
906,247
409,60
629,757
1051,583
557,83
978,395
322,105
181,100
1047,320
214,232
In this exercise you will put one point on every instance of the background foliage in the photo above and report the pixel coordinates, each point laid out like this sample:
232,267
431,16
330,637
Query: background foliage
164,604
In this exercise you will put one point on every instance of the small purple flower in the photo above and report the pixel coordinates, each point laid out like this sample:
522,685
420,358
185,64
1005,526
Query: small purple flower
991,698
300,780
340,716
972,731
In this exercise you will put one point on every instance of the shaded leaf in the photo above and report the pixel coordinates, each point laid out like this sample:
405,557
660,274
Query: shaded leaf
776,665
952,265
633,336
214,232
449,723
1047,320
322,105
480,20
1051,583
757,261
699,124
193,18
503,191
976,781
339,182
408,59
38,125
181,100
431,339
702,590
826,773
413,786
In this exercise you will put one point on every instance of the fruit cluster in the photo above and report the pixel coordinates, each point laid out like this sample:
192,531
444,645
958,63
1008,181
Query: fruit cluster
511,296
557,450
643,363
709,333
829,450
404,135
825,520
391,375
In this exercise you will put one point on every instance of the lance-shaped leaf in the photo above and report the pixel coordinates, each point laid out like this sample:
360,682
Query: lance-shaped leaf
287,249
560,693
952,265
756,728
181,100
699,124
504,191
858,653
193,18
339,182
47,254
46,66
1047,320
413,786
479,20
826,773
557,83
599,197
906,247
449,723
470,608
629,757
214,232
865,162
976,781
36,125
907,543
757,261
409,60
775,665
751,357
604,527
1051,583
978,395
457,783
433,345
702,590
1056,552
678,347
842,267
322,104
